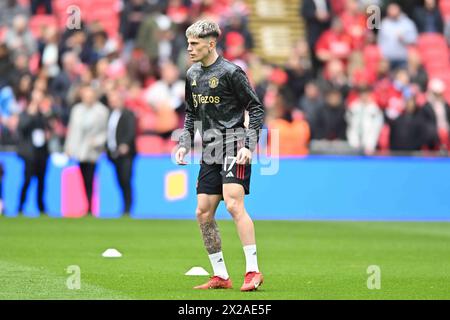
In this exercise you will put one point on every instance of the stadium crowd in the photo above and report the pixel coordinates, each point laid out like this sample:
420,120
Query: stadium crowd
361,89
345,88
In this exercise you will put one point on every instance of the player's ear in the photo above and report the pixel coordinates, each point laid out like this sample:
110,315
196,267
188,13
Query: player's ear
212,44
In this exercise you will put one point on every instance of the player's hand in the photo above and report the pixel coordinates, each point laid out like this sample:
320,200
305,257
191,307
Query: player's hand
244,156
179,156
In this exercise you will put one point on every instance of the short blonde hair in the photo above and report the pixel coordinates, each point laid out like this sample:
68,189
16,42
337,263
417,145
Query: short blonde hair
203,29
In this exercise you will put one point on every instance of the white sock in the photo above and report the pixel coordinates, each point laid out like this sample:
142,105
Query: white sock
218,264
251,258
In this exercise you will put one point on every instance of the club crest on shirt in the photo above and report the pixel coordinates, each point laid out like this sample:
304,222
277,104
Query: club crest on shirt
213,82
193,83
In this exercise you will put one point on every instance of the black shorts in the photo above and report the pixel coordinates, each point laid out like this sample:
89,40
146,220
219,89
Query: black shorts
212,176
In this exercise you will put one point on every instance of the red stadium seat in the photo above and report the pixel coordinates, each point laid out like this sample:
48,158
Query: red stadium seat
436,68
41,21
34,63
60,10
435,53
106,12
435,56
447,95
443,74
146,120
3,33
147,144
431,40
383,140
444,6
169,146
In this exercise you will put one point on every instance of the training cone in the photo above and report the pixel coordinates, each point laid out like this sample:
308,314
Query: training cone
197,271
112,253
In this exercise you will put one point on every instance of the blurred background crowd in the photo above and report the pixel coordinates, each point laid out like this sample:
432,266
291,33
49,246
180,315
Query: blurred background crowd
354,83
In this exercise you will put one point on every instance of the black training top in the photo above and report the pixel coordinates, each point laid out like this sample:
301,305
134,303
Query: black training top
217,97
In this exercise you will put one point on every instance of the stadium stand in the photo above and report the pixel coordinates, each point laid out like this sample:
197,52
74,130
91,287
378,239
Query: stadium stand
269,40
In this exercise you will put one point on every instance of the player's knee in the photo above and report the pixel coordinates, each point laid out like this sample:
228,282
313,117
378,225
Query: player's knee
203,214
234,207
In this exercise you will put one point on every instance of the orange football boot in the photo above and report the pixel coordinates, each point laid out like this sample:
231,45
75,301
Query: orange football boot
216,282
252,281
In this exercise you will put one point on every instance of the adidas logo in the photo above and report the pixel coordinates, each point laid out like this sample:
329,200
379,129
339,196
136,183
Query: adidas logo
220,260
230,175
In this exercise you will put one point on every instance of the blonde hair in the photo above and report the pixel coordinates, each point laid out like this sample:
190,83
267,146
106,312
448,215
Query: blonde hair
203,29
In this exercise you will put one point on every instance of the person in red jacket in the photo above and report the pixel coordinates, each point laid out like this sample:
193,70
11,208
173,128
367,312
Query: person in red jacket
334,43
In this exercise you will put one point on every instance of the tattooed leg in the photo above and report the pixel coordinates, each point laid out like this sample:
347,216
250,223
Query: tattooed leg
206,209
211,236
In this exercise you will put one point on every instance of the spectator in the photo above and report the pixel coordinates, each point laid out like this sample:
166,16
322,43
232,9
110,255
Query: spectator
338,6
301,52
7,102
383,84
169,90
66,79
407,131
78,42
19,38
396,33
155,37
365,121
447,32
235,50
131,17
371,57
94,59
57,130
165,96
317,15
102,47
46,4
6,65
335,76
293,130
22,91
436,113
20,69
401,88
277,79
331,123
428,17
311,104
120,144
298,76
32,148
50,52
146,39
10,9
355,23
237,23
334,44
86,136
407,6
416,71
8,115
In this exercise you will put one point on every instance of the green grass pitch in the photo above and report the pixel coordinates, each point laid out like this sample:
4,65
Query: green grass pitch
300,260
